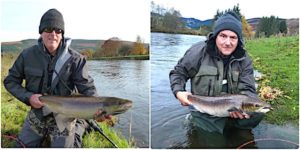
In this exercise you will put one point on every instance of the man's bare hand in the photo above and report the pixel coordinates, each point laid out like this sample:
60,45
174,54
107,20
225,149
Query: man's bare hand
35,101
239,115
182,97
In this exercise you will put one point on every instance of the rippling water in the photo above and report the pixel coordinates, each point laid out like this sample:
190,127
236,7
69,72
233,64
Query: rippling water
127,79
170,126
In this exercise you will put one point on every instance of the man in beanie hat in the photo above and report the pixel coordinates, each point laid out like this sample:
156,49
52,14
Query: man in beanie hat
51,67
218,66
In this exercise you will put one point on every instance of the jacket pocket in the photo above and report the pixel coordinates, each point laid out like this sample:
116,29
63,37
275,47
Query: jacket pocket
33,78
203,82
235,80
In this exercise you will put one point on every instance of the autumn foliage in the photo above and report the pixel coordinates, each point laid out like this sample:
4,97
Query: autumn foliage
115,47
87,53
110,47
138,47
247,29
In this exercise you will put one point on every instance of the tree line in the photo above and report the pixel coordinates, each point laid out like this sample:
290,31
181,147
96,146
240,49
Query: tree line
114,47
169,20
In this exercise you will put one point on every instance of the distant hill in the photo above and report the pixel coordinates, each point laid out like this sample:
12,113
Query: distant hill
253,22
194,23
77,44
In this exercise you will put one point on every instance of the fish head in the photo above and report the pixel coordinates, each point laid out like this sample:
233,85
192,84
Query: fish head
114,106
124,105
257,106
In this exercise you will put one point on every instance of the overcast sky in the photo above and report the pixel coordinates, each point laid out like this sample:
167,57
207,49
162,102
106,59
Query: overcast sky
103,19
206,9
84,19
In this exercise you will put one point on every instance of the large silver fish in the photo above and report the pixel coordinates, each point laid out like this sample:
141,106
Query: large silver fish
67,108
220,106
86,107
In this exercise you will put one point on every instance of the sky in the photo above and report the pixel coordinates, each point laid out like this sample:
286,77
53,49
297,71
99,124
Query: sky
84,19
206,9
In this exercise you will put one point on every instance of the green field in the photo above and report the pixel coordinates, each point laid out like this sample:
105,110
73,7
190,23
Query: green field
278,59
13,114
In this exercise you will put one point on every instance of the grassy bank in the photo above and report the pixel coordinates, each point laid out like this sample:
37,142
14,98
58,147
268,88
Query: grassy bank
13,114
278,59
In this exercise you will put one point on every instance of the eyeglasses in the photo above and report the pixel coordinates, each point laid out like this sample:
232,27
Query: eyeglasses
50,30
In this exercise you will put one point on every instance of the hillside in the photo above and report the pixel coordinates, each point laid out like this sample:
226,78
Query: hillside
77,44
195,23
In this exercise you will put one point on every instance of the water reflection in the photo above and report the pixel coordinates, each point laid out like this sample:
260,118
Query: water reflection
127,79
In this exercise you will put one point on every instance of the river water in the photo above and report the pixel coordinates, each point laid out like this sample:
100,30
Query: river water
170,126
127,79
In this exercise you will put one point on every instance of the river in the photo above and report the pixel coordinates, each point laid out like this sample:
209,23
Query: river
170,126
127,79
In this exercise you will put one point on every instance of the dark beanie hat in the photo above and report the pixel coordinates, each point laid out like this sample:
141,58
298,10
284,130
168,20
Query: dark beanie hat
52,18
229,21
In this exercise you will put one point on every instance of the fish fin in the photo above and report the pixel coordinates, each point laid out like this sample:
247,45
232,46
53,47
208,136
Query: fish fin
46,110
63,122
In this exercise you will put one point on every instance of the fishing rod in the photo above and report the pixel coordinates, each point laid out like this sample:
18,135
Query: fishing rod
95,126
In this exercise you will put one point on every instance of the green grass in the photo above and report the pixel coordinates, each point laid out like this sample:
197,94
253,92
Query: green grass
14,112
278,59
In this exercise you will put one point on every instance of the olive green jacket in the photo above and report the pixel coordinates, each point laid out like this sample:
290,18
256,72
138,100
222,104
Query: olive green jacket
203,65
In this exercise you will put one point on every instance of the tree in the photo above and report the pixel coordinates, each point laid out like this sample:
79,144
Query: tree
88,53
163,19
236,9
247,29
138,47
283,27
268,26
172,21
125,50
109,48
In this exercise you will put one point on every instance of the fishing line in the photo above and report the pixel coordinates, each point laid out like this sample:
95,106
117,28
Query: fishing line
14,137
267,139
64,83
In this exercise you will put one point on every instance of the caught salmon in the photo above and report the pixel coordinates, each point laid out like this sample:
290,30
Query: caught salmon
220,106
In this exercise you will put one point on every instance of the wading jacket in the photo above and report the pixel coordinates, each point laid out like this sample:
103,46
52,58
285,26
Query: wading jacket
203,65
57,75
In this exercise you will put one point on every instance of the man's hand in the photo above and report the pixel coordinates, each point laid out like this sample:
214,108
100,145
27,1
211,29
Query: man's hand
35,101
236,114
182,97
101,116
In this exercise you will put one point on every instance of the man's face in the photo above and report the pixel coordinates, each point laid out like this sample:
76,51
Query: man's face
51,38
227,42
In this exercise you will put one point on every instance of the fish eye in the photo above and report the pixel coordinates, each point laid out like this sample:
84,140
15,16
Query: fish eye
257,105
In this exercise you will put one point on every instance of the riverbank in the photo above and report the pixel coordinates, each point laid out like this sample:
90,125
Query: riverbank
131,57
14,112
277,58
